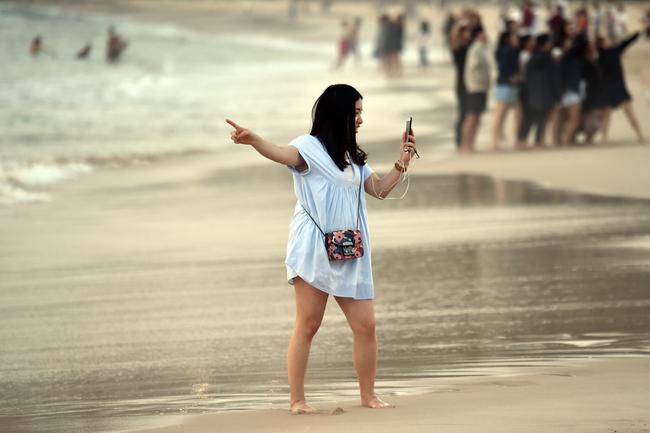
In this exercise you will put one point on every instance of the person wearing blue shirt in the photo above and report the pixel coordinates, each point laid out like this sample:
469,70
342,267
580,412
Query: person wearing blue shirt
331,178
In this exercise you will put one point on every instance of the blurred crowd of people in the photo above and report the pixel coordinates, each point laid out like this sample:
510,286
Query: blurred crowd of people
390,43
115,46
348,44
562,77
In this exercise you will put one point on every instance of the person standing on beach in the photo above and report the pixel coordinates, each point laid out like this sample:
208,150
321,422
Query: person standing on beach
526,47
330,177
556,25
395,45
447,27
459,42
542,90
343,45
355,39
423,43
591,111
614,92
477,82
506,90
570,102
381,45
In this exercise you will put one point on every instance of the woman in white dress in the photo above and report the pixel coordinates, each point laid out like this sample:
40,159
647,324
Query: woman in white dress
329,170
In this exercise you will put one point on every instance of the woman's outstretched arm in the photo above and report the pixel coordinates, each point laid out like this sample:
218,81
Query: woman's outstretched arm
286,155
627,42
381,187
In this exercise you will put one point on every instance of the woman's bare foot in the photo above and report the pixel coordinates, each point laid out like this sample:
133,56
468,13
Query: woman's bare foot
375,402
302,408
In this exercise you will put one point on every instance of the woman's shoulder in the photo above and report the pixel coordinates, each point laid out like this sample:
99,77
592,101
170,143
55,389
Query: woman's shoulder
310,148
305,140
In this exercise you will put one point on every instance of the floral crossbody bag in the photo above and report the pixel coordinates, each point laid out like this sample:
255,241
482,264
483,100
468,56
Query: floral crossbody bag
343,244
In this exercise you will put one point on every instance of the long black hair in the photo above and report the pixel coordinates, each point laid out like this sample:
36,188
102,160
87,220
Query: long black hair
334,124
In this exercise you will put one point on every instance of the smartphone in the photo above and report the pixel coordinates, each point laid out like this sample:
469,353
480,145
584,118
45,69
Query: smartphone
409,124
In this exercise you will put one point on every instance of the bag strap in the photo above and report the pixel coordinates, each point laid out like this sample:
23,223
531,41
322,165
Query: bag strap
359,200
358,204
310,217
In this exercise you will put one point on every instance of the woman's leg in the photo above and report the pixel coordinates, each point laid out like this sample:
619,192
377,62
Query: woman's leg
500,109
572,123
519,120
550,126
629,112
607,115
461,105
527,123
559,125
470,126
310,307
361,317
541,117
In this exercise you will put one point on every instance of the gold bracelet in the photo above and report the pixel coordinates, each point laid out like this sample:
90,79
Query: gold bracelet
400,166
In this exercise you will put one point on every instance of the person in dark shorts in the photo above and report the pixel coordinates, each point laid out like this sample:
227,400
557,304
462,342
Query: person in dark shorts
543,90
477,83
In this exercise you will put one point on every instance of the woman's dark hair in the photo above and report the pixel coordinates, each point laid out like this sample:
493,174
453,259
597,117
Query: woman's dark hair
503,39
334,124
477,30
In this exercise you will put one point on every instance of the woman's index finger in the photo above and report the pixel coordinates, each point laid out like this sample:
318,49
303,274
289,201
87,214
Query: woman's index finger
234,125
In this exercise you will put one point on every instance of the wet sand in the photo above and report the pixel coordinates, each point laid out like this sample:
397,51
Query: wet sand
132,303
128,296
589,396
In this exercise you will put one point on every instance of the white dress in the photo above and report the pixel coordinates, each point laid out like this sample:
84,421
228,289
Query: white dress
331,197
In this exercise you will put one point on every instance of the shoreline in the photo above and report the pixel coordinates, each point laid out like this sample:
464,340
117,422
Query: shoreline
614,169
587,395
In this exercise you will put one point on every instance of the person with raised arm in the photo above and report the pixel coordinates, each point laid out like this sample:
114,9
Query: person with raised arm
329,251
614,91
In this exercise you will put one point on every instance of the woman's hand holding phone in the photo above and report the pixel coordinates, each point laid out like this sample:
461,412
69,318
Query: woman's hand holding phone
408,147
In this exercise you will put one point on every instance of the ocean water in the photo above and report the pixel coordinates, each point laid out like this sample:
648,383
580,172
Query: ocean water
62,117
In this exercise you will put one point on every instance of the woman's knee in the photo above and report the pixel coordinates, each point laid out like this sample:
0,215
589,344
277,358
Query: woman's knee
308,327
364,327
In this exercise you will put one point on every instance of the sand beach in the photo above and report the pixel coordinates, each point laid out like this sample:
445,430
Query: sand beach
148,293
